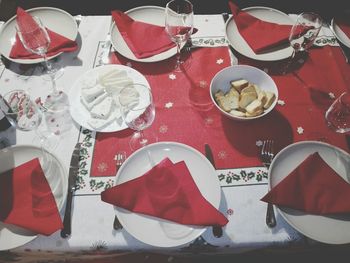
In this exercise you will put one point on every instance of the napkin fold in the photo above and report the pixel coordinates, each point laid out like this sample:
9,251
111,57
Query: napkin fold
313,187
26,199
58,43
143,39
166,191
260,35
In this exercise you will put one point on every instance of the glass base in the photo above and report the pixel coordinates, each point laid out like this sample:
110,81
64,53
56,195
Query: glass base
139,140
55,73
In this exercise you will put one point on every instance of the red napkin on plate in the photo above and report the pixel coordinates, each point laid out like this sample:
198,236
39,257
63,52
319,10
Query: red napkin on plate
344,25
143,39
166,191
260,35
26,199
58,42
313,187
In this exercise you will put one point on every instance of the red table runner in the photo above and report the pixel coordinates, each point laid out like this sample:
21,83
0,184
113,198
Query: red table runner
184,112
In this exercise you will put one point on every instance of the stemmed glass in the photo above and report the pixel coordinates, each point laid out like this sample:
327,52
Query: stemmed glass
179,24
304,33
138,112
24,115
36,40
338,114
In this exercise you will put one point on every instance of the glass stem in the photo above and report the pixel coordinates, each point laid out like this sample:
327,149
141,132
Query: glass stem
51,73
178,54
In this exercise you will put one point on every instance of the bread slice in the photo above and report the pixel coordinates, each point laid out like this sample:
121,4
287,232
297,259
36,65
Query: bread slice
246,99
103,109
257,113
239,84
254,106
237,113
228,102
270,98
247,89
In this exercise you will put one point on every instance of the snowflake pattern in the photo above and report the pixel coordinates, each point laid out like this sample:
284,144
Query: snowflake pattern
208,120
102,167
300,130
281,102
331,95
172,76
168,105
222,155
163,129
219,61
128,64
203,84
259,143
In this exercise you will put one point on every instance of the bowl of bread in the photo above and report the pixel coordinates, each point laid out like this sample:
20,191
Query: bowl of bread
243,92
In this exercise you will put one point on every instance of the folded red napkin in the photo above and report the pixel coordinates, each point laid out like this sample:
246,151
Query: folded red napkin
58,42
166,191
313,187
344,25
143,39
26,199
260,35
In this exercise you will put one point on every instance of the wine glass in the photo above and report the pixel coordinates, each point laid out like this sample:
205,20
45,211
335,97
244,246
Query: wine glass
36,40
303,33
138,112
338,114
24,115
179,24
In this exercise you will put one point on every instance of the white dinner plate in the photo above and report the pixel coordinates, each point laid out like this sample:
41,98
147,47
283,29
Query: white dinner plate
326,229
339,34
149,14
267,14
156,231
12,236
81,115
55,19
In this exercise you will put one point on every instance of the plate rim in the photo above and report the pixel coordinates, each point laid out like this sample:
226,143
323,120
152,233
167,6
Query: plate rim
64,186
38,60
151,59
281,211
78,88
199,229
335,30
259,57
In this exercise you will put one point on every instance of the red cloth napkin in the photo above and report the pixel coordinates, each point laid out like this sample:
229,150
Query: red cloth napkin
26,199
58,42
166,191
260,35
344,25
143,39
313,187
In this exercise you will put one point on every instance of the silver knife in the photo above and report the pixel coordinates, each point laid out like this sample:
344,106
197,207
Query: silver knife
217,230
72,176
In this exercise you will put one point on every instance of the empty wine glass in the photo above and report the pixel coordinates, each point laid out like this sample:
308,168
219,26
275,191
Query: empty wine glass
303,34
338,114
138,112
179,24
36,40
25,115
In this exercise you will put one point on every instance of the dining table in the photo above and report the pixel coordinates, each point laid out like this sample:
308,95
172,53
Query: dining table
185,115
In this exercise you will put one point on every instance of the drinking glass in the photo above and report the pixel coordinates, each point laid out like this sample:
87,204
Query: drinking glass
179,24
303,34
338,114
24,115
138,112
36,40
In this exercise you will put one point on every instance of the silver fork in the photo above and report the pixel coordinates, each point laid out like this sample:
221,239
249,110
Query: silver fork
119,160
267,155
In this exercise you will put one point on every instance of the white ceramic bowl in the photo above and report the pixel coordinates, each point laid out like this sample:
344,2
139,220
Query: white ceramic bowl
221,81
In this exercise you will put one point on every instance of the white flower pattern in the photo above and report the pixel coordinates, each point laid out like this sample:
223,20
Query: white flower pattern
300,130
281,102
219,61
172,76
168,105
